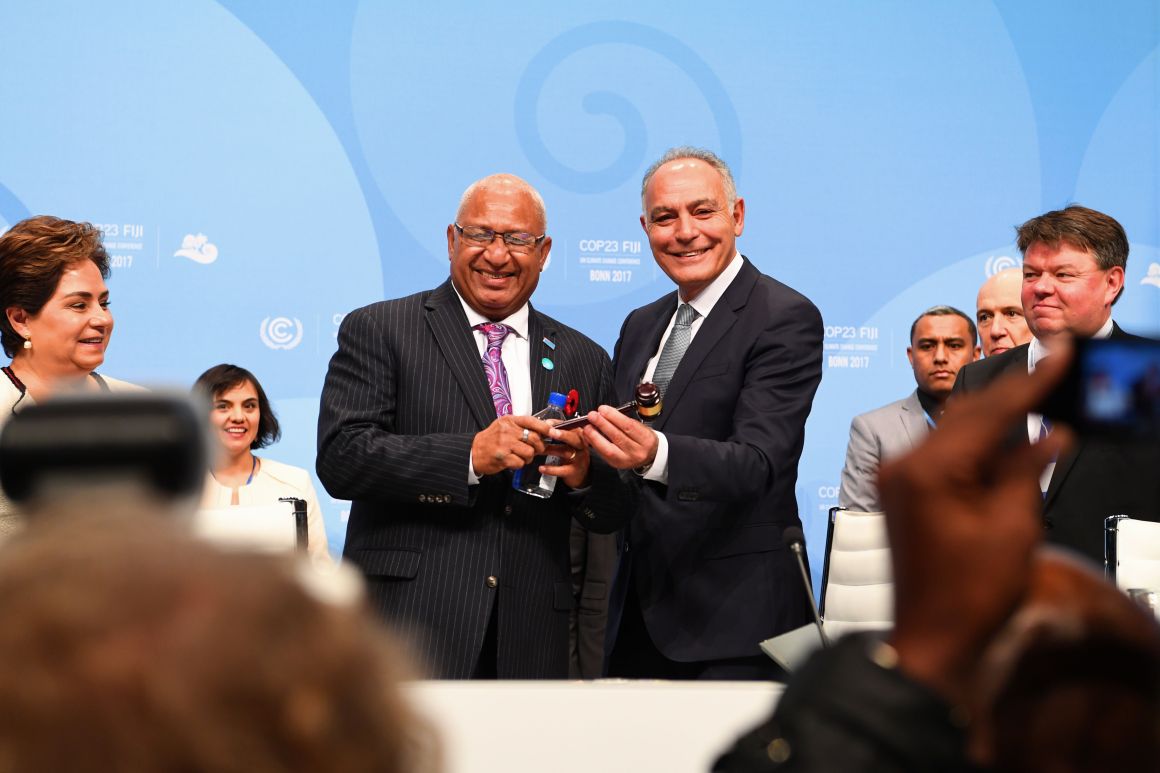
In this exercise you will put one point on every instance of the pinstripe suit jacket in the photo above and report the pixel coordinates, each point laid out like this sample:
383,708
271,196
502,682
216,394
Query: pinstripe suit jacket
404,397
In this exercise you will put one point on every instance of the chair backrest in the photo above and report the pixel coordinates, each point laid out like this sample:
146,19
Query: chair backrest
279,527
1132,552
857,581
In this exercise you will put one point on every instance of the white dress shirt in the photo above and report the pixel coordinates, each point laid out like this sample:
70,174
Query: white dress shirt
1036,351
703,303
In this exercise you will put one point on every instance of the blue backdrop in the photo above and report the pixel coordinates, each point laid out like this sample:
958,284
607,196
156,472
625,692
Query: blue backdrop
259,169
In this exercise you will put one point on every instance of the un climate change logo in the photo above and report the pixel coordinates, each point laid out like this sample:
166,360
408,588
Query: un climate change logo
281,332
997,263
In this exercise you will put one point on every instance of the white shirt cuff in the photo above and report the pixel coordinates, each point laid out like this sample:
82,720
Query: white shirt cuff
659,471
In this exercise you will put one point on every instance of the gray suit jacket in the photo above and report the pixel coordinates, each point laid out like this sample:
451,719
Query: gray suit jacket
874,437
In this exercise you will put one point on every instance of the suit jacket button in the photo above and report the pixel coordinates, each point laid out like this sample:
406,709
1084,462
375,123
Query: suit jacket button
507,509
492,581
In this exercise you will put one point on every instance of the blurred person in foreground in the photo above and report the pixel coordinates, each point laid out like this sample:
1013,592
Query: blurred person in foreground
241,421
1005,655
129,645
56,323
999,312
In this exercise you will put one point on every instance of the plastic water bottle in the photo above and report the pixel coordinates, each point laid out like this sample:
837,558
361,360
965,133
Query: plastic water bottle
528,479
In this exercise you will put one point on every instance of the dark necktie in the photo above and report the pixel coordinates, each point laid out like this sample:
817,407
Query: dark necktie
674,348
497,378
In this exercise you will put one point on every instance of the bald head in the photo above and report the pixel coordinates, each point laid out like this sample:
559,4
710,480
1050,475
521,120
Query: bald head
999,312
498,245
504,184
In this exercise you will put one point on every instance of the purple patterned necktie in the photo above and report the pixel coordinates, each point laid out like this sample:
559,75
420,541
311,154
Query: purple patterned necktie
497,378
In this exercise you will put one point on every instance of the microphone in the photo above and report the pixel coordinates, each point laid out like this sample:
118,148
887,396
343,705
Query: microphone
793,538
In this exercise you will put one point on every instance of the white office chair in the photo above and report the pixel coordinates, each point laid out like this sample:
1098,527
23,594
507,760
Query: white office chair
1132,552
857,580
279,527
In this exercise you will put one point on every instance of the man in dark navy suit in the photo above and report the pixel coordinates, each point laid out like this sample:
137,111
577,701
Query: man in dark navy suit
426,414
1073,271
737,356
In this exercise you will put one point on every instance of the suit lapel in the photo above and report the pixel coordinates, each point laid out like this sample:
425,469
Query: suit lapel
544,381
638,347
449,326
712,330
1063,466
1018,436
1066,463
913,420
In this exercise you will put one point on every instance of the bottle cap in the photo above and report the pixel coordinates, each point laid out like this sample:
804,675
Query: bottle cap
557,399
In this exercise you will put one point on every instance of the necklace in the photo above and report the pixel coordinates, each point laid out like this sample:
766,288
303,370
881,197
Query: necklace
250,479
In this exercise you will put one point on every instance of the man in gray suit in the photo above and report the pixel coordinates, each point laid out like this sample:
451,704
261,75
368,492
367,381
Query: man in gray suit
424,418
942,340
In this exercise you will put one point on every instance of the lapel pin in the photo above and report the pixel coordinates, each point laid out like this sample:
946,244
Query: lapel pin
547,363
548,343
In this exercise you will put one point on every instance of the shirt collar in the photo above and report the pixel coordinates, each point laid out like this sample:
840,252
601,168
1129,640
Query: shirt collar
517,320
1036,351
707,298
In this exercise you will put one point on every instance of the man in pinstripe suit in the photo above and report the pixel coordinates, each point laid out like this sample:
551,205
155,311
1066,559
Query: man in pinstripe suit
424,443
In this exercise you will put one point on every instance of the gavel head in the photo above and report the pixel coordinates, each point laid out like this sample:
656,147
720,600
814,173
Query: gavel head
648,401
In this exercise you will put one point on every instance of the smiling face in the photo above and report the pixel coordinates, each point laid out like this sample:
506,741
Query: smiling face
71,331
235,417
999,311
497,279
692,228
941,345
1066,292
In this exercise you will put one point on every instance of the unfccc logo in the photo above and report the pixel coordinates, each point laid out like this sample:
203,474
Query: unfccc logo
281,332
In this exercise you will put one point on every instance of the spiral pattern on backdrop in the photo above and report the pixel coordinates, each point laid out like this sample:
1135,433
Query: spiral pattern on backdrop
622,110
12,209
997,263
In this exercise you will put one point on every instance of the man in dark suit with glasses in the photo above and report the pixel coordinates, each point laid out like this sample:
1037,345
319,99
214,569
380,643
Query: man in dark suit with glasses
425,415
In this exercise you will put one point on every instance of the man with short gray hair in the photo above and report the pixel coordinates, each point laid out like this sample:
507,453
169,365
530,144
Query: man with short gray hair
737,357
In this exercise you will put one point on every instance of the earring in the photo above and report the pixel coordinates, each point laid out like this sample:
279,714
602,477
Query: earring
28,343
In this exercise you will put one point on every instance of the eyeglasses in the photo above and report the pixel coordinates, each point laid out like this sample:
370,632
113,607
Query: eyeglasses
485,236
